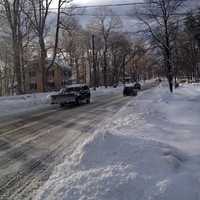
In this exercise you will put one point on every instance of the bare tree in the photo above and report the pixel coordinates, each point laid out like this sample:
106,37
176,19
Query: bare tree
6,67
73,43
37,12
160,18
187,56
58,25
104,24
120,48
192,24
12,11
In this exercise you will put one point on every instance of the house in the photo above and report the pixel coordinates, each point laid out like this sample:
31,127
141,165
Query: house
55,79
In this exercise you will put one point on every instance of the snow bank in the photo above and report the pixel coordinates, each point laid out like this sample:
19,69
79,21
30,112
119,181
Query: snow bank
164,117
114,167
20,103
141,154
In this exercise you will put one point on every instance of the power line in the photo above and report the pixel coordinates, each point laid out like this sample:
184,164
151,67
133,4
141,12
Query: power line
95,6
74,7
117,15
103,5
182,16
106,5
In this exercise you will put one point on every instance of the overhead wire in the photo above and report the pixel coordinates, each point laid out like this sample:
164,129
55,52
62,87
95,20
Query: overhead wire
102,5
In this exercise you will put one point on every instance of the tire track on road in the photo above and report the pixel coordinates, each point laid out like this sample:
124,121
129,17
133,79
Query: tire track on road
38,169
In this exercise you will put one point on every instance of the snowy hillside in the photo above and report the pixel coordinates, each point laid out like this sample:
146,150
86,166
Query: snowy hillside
150,150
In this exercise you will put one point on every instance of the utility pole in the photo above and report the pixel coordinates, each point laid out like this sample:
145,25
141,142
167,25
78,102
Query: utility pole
94,62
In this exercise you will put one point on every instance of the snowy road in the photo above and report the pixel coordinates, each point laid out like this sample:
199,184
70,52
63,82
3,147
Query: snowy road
33,143
149,150
31,146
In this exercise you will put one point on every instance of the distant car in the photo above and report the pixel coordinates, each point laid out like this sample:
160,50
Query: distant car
115,85
183,81
129,90
76,93
177,85
159,80
137,86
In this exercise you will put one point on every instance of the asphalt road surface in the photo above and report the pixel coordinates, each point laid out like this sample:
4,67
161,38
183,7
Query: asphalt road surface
32,144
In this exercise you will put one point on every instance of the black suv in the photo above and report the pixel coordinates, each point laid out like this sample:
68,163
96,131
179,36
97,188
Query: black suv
130,90
76,93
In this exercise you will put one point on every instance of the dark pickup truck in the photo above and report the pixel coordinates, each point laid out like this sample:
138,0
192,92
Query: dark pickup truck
76,93
132,89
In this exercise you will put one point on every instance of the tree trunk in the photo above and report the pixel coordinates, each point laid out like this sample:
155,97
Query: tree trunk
105,64
169,69
42,65
105,68
77,71
168,56
17,65
22,64
94,63
14,21
124,71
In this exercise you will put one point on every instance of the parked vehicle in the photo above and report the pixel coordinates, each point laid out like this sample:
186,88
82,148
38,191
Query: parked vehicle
129,90
115,85
159,80
76,93
183,81
177,85
137,86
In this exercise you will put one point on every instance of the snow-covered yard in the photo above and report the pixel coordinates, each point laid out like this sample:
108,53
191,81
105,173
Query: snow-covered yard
150,150
17,104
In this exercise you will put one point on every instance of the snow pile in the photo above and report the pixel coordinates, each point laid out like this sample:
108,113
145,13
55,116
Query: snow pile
115,167
141,154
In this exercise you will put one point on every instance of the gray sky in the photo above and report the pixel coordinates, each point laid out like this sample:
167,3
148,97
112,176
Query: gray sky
118,10
93,2
191,3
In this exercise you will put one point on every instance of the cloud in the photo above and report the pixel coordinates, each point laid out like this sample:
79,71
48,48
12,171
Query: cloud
129,23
